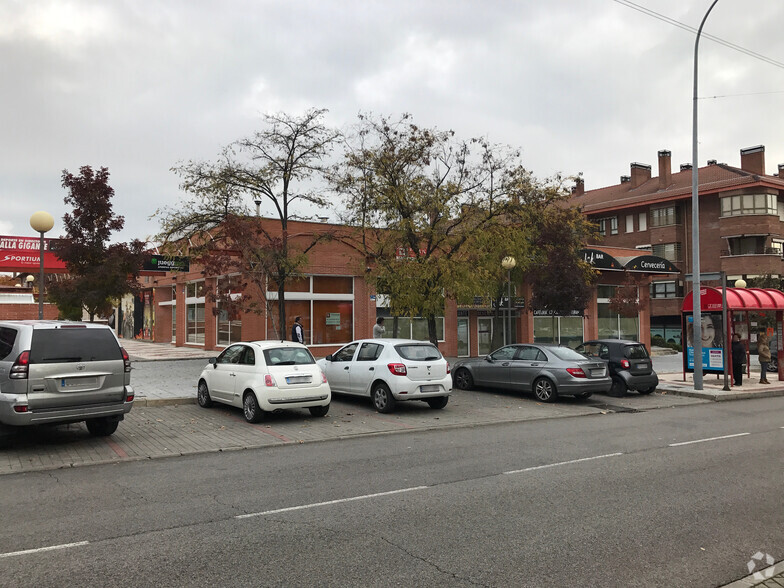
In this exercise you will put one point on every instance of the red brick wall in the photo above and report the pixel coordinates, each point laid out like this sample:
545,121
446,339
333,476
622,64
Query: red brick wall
18,312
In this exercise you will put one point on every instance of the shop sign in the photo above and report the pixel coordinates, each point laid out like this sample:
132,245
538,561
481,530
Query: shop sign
166,263
542,312
333,319
23,254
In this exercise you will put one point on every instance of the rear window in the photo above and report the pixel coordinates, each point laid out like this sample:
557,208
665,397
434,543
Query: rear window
635,352
7,339
288,356
566,353
418,352
73,345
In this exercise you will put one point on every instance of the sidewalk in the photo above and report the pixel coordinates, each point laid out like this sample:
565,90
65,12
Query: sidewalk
713,387
141,350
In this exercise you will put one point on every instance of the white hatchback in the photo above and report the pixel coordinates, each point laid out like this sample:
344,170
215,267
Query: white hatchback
265,376
390,370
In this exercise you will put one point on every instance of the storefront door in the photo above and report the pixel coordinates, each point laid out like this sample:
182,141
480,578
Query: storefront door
484,339
463,338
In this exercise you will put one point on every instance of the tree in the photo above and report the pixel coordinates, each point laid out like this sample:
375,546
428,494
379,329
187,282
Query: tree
275,165
99,273
419,200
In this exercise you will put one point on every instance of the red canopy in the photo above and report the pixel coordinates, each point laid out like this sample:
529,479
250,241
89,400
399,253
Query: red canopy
737,299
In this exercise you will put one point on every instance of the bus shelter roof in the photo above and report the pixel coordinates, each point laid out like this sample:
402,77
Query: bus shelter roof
737,299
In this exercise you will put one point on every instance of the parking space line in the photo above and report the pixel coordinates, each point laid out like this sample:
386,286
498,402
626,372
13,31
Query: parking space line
42,549
116,448
708,439
329,502
560,463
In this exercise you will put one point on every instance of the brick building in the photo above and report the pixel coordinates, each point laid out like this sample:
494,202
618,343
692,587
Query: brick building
741,223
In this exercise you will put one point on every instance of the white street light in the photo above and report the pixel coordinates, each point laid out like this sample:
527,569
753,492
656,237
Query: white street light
42,222
741,283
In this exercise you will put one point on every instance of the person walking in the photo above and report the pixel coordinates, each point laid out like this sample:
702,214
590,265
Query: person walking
297,332
738,360
763,349
378,328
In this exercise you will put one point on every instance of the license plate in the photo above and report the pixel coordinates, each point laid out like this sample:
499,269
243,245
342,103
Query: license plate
642,366
298,380
597,373
430,388
78,382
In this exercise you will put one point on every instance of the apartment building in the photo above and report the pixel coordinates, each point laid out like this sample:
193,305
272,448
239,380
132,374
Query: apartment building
741,223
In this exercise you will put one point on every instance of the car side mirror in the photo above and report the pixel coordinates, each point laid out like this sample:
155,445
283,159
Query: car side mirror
328,358
214,362
489,358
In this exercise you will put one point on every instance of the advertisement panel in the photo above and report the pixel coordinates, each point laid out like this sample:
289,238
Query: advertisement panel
23,254
712,342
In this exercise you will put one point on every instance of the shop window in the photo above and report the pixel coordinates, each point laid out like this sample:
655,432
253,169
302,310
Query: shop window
404,327
333,285
194,324
562,330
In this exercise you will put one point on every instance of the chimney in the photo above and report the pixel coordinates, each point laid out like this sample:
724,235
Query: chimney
641,173
712,162
781,170
665,169
579,187
625,179
752,159
685,166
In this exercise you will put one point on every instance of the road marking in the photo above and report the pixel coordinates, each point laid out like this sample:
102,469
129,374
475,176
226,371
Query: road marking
560,463
116,448
41,549
329,502
708,439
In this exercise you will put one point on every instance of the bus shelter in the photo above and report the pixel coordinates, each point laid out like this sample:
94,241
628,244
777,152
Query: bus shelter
749,311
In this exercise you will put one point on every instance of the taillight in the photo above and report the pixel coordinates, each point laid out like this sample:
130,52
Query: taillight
126,359
625,364
21,367
20,408
576,372
323,378
448,368
269,380
129,398
397,369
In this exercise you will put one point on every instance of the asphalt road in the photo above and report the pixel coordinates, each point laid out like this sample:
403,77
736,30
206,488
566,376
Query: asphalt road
674,497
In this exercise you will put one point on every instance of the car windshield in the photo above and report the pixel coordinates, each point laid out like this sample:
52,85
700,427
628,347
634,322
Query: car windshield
635,352
566,353
418,351
288,356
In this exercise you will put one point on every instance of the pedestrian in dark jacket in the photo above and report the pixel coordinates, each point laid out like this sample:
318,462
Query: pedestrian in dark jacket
297,333
738,360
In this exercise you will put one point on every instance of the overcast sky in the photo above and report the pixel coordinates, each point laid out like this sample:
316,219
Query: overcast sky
578,85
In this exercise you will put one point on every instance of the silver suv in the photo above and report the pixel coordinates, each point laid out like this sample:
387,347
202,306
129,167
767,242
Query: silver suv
63,372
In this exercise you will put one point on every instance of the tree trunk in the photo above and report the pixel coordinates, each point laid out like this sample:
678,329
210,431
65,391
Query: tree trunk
282,309
431,330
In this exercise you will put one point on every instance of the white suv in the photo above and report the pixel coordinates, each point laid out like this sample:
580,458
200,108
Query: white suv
390,370
63,372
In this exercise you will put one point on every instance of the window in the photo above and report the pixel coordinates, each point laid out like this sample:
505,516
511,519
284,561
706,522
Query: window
629,223
608,224
749,204
669,251
664,290
643,221
665,216
504,354
7,339
369,352
194,312
346,353
748,246
532,354
231,354
611,324
563,330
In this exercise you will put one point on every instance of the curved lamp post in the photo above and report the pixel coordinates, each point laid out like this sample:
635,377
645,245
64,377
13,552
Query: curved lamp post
42,222
508,263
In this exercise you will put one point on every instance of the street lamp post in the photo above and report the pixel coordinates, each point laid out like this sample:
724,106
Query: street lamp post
508,263
42,222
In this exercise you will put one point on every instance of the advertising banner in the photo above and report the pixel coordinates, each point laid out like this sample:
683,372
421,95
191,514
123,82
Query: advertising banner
22,254
712,342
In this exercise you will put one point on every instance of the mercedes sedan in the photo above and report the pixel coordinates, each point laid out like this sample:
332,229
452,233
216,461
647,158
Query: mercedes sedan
546,370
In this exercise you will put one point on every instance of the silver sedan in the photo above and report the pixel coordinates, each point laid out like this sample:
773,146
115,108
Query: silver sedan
546,370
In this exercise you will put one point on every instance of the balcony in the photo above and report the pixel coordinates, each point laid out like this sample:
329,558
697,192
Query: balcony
764,260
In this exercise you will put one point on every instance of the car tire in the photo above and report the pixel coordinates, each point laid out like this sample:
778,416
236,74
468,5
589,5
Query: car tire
251,408
618,388
437,402
319,411
203,395
102,427
584,395
544,390
382,398
773,364
647,390
463,379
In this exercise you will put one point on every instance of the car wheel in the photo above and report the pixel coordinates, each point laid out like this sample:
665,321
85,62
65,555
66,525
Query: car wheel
251,408
437,402
382,398
647,390
584,395
618,388
463,379
319,411
203,395
773,364
102,427
544,390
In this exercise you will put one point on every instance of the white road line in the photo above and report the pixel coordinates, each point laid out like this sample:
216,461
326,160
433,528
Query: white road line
41,549
339,501
708,439
560,463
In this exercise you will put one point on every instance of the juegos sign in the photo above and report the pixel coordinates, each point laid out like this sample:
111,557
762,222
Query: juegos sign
22,254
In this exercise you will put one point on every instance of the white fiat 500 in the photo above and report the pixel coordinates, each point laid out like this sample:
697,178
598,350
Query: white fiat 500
390,370
265,376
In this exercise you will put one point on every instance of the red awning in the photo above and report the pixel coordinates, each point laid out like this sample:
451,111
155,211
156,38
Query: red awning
737,299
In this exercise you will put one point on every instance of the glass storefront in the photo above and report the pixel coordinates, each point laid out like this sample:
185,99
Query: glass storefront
194,312
561,330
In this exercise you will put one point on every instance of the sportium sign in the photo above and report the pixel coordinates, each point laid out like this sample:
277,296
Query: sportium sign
166,263
22,254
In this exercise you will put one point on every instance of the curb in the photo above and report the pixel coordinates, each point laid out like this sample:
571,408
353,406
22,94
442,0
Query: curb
144,401
720,396
771,573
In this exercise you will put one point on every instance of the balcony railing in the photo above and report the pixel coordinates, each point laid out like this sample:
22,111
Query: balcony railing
757,251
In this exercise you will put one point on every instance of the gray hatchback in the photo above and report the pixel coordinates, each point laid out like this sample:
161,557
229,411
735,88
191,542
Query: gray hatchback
63,372
546,370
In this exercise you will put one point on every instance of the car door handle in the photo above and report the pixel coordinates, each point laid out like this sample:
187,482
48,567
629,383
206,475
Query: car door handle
534,365
506,363
370,369
346,368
